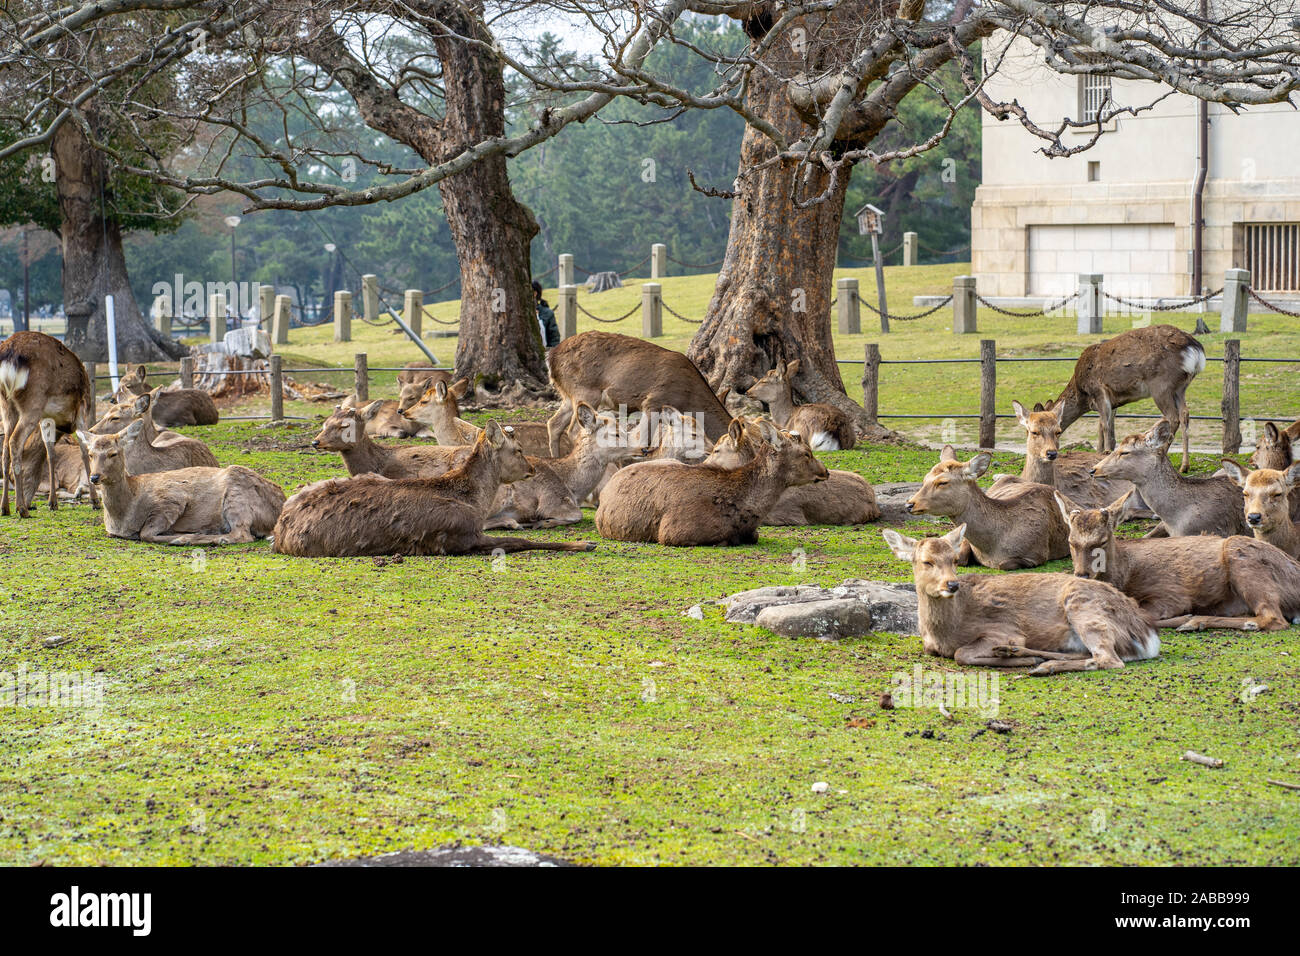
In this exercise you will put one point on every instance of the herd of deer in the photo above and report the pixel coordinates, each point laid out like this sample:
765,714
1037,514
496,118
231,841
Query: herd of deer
681,470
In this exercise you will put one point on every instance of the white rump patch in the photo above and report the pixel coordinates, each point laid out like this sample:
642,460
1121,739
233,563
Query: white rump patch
12,378
48,432
1150,647
1193,361
824,441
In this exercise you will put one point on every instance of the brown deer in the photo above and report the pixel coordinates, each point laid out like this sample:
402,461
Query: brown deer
553,495
631,372
372,515
414,373
1275,449
1188,583
1186,506
438,410
386,419
40,378
1022,528
70,477
823,427
345,432
1266,493
171,406
189,506
1050,623
844,498
147,449
1156,362
692,505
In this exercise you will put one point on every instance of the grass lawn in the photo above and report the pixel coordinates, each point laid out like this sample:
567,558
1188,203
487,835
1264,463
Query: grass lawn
276,710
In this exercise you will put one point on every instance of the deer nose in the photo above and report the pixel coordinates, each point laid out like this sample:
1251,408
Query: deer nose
1092,472
1254,518
1080,574
94,479
315,443
909,505
952,586
1051,455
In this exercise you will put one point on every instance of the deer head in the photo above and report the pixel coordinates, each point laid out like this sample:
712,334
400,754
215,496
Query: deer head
1042,431
775,385
949,486
1272,449
344,429
1092,534
499,442
933,560
1135,456
439,402
1265,493
107,458
123,414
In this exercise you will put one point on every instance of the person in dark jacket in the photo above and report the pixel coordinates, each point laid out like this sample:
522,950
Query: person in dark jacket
546,318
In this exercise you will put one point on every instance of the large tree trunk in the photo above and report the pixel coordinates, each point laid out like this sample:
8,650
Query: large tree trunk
500,343
93,262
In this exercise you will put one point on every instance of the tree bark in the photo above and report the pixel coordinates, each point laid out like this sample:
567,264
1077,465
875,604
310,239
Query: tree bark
93,261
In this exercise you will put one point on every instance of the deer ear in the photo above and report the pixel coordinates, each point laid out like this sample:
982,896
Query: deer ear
83,437
792,369
947,454
586,415
1068,508
736,429
978,465
904,548
1161,434
460,389
1271,431
1118,510
1021,415
439,391
494,433
371,410
142,404
955,536
132,431
1292,475
1234,470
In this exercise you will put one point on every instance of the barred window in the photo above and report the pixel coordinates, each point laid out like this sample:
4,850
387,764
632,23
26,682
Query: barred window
1273,256
1094,96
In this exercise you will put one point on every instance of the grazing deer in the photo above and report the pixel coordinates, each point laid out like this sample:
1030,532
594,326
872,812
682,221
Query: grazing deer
148,449
1156,362
1188,583
438,409
1022,528
823,427
1275,449
552,496
345,432
1050,623
171,406
630,372
188,506
387,419
689,505
844,498
1185,505
371,515
40,378
1266,493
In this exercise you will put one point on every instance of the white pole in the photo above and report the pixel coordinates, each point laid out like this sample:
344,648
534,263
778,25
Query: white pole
112,339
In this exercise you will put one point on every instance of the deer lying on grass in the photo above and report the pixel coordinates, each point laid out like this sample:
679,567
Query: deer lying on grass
663,435
345,432
171,406
1020,529
823,427
552,496
438,409
70,477
40,378
630,372
688,505
1266,493
1050,623
1156,362
188,506
1275,449
1186,506
415,373
371,515
147,449
845,498
386,419
1188,583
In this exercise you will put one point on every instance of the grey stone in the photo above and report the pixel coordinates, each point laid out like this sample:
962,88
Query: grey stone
836,617
744,607
851,609
892,499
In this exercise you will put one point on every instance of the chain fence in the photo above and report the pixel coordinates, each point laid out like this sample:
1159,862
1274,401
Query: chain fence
1148,307
591,315
1269,305
893,317
677,315
1045,310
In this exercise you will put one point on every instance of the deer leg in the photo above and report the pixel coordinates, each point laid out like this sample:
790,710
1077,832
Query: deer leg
49,436
1105,422
1047,668
486,544
1019,650
16,441
4,467
85,466
989,651
1201,622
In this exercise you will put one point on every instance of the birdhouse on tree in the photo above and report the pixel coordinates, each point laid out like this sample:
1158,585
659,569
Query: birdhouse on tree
871,221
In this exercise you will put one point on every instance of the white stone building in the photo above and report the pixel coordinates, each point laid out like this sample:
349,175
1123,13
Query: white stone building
1124,207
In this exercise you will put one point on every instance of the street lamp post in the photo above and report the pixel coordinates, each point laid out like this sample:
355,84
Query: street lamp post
232,222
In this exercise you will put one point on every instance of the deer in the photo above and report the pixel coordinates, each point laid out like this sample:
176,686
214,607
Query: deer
824,427
171,406
438,409
373,515
1022,528
188,506
414,373
1156,362
386,419
553,495
682,505
70,477
631,372
1048,623
148,449
1266,493
345,432
1190,583
40,379
845,498
1275,449
1185,506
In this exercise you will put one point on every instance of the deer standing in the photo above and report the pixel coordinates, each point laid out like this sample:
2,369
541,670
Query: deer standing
823,427
1156,362
40,378
1266,493
188,506
372,515
1186,506
1022,528
1189,583
1050,623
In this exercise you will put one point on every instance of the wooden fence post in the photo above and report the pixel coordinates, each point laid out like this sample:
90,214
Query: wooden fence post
342,316
1231,405
361,377
187,372
848,317
871,384
988,393
413,311
277,390
94,412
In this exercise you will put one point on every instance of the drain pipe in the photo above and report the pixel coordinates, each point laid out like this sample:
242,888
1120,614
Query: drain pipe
1198,188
